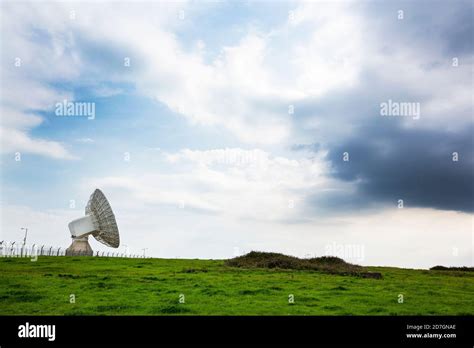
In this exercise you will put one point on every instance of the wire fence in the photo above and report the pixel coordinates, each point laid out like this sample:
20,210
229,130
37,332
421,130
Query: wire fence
14,249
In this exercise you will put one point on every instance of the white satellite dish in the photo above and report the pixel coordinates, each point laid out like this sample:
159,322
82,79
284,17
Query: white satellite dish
98,222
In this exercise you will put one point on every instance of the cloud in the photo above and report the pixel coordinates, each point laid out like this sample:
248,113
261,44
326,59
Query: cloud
388,163
408,61
240,184
30,64
246,88
17,141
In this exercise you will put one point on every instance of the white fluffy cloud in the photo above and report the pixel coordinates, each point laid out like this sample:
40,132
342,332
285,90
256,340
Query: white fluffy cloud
237,183
246,89
14,141
29,64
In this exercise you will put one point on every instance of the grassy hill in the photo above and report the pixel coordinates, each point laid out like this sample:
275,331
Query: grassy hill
121,286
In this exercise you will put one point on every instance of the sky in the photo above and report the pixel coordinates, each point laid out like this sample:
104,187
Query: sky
220,127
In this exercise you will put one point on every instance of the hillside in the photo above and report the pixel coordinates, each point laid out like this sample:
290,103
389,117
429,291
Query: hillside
115,286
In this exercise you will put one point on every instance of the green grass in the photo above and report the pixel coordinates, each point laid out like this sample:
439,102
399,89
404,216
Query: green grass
120,286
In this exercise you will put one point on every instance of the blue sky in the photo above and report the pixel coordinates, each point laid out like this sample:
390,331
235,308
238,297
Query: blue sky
226,132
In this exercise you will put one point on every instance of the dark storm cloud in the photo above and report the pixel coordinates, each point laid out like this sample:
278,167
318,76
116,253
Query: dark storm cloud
388,162
391,159
459,37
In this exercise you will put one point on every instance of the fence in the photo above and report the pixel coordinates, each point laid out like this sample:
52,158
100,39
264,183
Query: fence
14,249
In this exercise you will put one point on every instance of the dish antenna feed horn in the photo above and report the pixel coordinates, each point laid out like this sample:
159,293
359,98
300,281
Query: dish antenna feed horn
99,222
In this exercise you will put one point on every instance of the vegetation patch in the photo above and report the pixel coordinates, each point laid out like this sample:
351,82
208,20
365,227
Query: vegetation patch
326,264
443,268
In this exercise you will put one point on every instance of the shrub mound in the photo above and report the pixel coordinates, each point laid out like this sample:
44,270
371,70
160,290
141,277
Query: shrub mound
443,268
326,264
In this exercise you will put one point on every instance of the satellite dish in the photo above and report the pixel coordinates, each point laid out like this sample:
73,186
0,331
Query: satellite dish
98,222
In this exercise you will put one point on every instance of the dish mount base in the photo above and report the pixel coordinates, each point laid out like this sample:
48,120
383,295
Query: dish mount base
79,248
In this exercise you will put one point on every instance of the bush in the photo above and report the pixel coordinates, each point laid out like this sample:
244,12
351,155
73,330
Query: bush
443,268
326,264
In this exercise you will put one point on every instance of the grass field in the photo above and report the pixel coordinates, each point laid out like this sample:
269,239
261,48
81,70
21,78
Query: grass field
121,286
